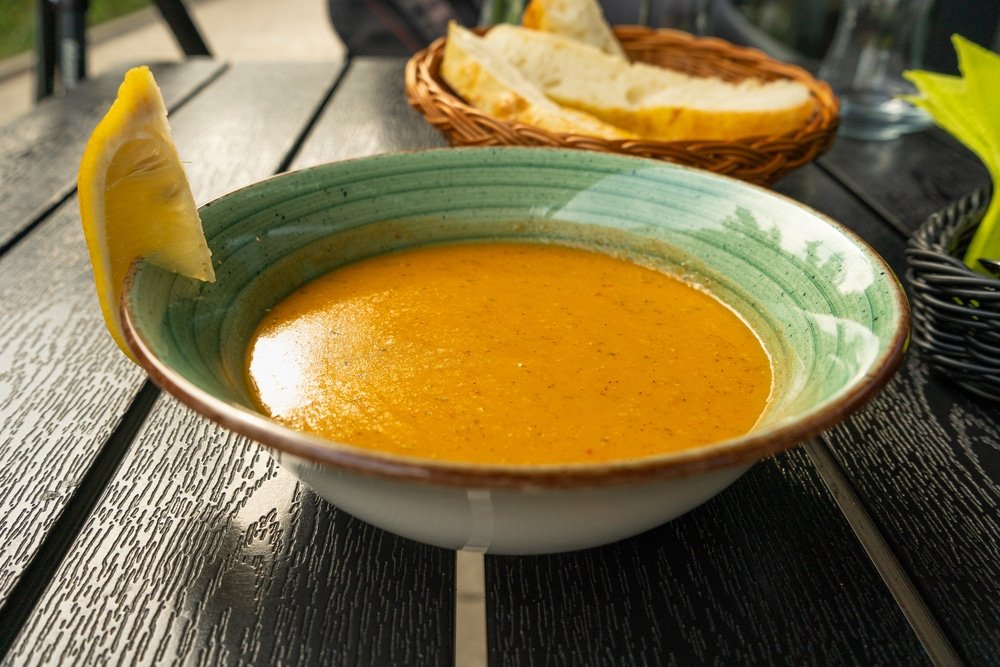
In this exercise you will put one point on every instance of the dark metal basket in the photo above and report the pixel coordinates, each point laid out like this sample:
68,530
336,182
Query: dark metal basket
956,311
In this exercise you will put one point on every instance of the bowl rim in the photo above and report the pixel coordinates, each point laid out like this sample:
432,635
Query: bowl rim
741,450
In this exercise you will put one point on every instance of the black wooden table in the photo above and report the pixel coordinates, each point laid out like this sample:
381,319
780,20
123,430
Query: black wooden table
133,531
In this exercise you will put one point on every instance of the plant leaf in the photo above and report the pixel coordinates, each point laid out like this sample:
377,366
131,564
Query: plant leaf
945,98
968,107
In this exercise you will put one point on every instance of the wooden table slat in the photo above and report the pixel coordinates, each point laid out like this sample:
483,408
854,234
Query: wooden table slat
928,473
370,116
766,573
239,562
231,561
907,179
40,152
74,388
924,457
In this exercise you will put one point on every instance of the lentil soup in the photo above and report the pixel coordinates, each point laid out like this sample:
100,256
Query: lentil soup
508,353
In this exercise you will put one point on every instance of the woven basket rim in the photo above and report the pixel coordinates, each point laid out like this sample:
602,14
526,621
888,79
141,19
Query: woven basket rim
956,311
942,238
766,156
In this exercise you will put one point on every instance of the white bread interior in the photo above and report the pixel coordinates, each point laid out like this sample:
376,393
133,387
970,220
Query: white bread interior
649,101
493,85
580,20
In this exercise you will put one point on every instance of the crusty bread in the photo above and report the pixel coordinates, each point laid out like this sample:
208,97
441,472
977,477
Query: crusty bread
494,86
580,20
649,101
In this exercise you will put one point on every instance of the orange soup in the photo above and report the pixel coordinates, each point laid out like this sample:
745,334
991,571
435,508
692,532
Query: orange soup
508,353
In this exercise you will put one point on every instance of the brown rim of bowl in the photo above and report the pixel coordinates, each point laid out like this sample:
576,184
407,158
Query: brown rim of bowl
736,451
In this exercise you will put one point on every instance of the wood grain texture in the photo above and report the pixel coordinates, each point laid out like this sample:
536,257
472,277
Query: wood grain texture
229,560
63,384
906,179
926,463
204,551
40,152
369,115
925,456
766,573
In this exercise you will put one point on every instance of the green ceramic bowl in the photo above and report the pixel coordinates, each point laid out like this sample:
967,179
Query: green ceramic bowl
829,311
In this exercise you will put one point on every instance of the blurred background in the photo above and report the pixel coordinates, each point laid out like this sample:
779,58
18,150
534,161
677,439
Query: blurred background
807,26
131,32
117,32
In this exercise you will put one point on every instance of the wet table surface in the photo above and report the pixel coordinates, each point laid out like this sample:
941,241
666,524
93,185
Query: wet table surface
133,531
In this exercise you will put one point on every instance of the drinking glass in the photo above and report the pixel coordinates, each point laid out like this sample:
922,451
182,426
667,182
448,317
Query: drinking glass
875,41
693,16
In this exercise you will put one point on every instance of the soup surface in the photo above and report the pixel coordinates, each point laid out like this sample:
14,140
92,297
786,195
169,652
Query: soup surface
513,353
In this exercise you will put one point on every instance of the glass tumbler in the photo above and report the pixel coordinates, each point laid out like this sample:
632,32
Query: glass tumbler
875,41
693,16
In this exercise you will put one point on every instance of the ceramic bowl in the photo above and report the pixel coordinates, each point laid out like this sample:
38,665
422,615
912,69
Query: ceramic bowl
828,310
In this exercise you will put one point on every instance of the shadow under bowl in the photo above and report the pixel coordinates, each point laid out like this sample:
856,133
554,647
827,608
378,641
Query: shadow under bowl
827,309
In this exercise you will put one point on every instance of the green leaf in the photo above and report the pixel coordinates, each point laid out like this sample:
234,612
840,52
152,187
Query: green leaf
945,98
968,107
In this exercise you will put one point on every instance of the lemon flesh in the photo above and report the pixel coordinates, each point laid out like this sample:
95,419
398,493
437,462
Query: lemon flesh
135,200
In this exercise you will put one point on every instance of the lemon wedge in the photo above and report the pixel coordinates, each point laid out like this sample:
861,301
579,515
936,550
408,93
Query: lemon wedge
135,200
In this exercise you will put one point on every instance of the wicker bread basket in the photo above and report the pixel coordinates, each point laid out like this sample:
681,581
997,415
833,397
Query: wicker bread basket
759,160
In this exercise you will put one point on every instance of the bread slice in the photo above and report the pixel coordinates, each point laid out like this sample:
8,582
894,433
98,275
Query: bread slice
649,101
580,20
487,81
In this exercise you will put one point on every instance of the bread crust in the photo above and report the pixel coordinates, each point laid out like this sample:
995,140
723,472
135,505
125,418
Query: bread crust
498,89
649,101
580,20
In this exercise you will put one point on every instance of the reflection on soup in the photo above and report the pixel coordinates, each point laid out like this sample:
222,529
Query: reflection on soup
512,353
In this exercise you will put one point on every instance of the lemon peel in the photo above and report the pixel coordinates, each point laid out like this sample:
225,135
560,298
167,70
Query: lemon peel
134,197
